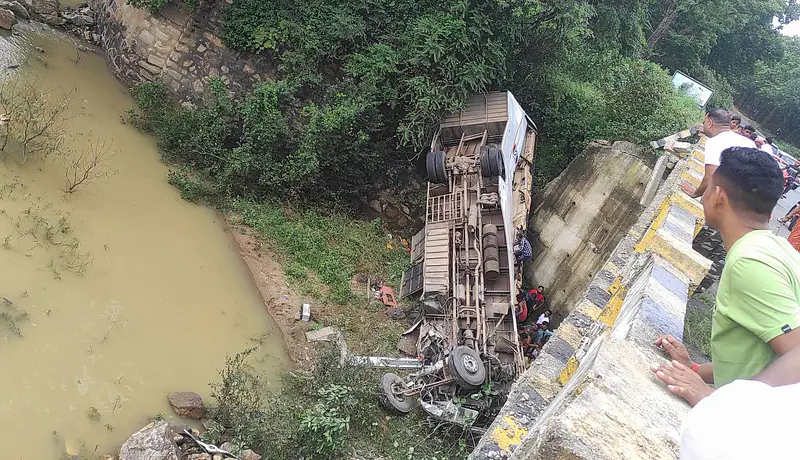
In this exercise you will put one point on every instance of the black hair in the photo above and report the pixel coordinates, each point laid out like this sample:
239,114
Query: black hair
545,323
748,128
719,116
541,287
548,311
736,117
769,140
752,179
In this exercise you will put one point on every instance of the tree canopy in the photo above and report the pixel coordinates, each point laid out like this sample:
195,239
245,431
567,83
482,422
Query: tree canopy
361,85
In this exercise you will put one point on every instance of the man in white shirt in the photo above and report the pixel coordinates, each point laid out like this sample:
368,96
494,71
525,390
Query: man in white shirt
714,430
717,127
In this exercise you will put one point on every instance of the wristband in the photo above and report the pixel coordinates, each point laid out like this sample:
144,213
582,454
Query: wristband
694,367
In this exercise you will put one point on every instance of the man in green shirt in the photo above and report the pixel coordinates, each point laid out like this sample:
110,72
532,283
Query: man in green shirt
757,315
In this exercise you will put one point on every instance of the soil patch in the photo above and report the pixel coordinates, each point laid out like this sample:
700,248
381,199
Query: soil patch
280,300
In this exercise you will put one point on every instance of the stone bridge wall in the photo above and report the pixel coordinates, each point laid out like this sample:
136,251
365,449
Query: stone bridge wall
178,46
590,394
584,213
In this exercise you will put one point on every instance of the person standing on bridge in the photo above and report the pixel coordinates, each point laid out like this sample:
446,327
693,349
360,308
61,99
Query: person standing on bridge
717,126
757,316
736,124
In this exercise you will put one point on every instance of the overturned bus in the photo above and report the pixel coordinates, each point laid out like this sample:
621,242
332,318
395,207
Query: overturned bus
463,265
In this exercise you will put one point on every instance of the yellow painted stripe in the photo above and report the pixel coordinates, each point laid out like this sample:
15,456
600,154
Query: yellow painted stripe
611,311
692,177
508,434
568,371
662,214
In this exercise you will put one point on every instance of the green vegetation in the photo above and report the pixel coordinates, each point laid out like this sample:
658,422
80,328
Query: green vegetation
772,97
697,325
329,413
334,247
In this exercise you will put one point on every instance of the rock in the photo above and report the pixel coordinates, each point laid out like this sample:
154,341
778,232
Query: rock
227,446
187,404
77,19
153,442
248,454
217,457
16,7
39,49
7,19
42,7
199,457
52,19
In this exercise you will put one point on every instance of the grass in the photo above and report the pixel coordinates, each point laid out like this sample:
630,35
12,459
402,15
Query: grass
697,325
324,256
329,413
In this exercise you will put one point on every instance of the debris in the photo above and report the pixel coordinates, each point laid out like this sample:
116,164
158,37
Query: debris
448,411
381,361
208,448
322,335
305,312
396,313
387,296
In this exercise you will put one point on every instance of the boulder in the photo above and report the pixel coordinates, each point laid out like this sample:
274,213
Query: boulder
77,19
248,454
15,6
7,19
43,7
52,19
153,442
187,404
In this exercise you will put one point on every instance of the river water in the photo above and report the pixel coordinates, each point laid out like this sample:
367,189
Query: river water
163,297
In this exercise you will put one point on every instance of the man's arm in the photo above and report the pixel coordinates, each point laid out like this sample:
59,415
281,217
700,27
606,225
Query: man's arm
700,190
706,179
786,369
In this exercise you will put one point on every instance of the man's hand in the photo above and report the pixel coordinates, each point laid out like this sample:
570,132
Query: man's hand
689,189
682,381
676,350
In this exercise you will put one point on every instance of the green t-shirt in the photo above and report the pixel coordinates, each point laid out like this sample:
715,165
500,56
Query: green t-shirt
758,299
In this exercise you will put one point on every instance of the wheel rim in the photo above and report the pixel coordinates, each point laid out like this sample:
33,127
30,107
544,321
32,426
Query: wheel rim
470,364
397,394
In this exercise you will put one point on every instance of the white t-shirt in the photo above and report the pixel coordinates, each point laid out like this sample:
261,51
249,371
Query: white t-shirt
767,148
724,140
542,318
744,420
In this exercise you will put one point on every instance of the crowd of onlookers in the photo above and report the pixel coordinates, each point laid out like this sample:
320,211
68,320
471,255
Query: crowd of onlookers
755,333
533,333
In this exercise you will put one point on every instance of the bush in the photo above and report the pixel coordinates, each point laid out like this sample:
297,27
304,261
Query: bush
597,93
331,412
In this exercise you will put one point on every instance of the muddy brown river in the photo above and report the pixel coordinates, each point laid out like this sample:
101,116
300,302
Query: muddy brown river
163,296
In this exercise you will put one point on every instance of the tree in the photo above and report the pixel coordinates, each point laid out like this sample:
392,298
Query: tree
84,167
33,120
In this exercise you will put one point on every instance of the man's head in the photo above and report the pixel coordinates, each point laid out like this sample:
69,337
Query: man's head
769,140
745,188
748,131
540,289
544,325
548,313
716,121
736,121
